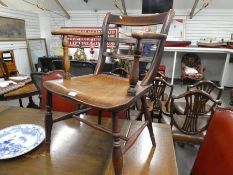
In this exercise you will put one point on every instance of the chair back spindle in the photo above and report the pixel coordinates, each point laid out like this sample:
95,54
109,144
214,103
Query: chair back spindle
194,102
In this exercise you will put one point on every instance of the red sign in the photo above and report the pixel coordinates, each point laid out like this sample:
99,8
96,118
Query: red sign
86,42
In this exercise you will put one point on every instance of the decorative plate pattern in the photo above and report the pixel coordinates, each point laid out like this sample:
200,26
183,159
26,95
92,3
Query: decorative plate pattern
19,139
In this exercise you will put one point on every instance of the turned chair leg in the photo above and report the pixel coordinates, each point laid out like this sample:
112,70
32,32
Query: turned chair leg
117,157
48,118
148,118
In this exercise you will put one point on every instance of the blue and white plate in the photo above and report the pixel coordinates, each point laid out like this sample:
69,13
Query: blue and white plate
19,139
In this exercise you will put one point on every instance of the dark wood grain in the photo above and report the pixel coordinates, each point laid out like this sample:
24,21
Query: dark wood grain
106,93
190,127
109,92
90,152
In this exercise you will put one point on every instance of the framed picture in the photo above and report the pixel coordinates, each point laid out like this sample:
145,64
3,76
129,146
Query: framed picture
12,29
37,47
87,42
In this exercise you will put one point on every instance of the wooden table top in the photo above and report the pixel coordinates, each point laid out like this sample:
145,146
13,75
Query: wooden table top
78,149
26,91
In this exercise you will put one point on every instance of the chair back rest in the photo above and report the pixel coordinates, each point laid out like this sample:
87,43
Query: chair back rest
46,64
157,93
140,21
58,64
215,154
37,80
158,89
194,112
209,87
77,68
191,60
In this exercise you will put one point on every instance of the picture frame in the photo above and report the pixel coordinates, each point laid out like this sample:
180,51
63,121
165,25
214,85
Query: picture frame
37,47
12,29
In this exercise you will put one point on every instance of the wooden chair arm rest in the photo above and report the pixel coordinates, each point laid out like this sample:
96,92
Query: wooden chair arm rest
75,32
148,35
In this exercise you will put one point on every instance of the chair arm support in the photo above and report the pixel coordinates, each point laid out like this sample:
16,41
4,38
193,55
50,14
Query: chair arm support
148,35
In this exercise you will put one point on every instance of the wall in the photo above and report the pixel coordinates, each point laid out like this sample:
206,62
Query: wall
45,27
20,47
212,23
207,23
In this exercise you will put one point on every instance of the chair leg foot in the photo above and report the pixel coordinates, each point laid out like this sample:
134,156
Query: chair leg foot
117,156
148,118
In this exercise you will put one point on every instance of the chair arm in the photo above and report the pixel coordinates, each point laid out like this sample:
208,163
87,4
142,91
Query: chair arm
75,32
148,35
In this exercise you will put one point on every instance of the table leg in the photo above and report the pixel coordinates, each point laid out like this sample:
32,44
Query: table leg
224,69
173,67
117,157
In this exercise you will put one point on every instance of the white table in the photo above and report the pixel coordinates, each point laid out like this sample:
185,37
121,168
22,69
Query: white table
226,51
226,73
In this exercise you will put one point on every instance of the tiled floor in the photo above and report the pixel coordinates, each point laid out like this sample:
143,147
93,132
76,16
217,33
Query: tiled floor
185,154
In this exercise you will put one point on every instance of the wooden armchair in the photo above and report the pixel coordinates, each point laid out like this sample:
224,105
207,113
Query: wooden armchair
190,126
106,92
191,68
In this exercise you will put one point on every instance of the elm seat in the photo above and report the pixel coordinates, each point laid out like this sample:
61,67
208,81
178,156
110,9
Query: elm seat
95,94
